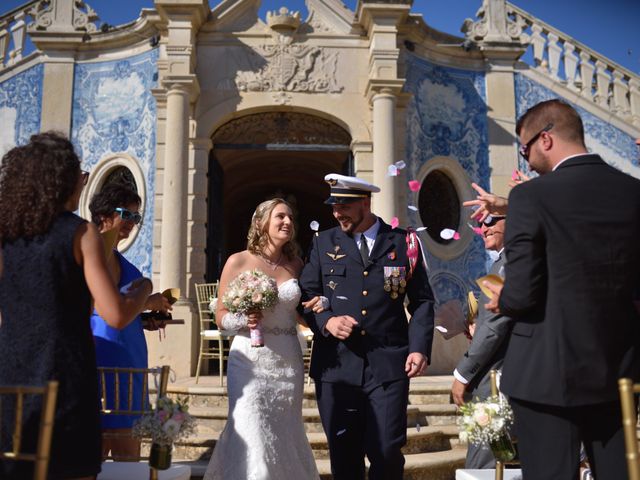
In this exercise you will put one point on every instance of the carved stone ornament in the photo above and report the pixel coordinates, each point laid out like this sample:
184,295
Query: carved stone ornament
493,18
50,13
292,68
281,128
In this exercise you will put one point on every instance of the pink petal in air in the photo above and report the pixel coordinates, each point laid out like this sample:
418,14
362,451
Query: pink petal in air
515,176
414,185
395,222
456,236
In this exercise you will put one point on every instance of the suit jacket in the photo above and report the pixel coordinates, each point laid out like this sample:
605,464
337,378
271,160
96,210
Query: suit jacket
383,336
573,264
489,344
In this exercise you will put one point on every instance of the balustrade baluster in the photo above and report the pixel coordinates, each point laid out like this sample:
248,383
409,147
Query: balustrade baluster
538,42
554,52
570,64
4,43
634,100
603,80
18,31
586,75
620,90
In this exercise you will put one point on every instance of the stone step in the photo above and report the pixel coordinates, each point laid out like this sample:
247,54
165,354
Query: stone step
212,419
421,466
425,439
421,392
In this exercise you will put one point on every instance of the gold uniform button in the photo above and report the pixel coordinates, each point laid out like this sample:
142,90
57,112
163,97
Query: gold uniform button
365,293
363,333
365,273
364,312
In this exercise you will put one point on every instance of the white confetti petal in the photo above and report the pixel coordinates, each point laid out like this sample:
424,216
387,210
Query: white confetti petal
340,297
340,432
417,427
447,234
412,207
392,171
314,226
421,229
400,164
442,329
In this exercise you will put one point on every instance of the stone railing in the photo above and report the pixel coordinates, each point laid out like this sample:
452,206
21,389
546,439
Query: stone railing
573,64
13,33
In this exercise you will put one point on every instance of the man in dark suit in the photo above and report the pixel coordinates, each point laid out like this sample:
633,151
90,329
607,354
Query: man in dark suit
573,266
364,350
488,346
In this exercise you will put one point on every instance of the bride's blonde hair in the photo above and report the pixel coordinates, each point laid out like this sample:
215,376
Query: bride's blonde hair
258,235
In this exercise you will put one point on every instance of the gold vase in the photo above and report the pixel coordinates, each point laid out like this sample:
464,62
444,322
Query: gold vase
160,456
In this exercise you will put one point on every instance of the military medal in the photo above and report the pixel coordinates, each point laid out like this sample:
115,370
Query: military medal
395,281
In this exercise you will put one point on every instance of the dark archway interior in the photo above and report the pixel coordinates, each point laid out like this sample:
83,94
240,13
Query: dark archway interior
243,175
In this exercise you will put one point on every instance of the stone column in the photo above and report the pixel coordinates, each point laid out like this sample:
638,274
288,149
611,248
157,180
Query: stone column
384,151
174,187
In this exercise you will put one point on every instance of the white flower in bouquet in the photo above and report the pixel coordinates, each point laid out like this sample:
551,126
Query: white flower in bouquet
169,422
213,304
483,422
250,291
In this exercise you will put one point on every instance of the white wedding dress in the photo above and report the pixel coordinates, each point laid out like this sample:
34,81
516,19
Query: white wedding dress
264,437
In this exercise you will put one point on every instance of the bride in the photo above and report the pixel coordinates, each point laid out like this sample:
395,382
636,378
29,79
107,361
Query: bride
264,437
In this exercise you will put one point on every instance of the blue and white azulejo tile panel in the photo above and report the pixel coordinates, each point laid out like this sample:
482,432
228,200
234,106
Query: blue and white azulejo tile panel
20,107
114,112
447,116
615,146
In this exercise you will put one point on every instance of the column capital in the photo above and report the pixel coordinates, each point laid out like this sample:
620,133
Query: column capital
186,84
378,87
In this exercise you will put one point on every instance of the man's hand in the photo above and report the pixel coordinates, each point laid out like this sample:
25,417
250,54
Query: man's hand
492,306
341,327
457,392
316,304
488,203
415,365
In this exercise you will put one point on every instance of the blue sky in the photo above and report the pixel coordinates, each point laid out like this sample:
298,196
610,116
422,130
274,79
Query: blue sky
609,27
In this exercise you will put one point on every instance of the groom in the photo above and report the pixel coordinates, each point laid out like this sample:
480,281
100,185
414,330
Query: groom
364,350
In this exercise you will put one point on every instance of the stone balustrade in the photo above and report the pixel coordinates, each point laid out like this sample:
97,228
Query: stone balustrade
13,33
579,68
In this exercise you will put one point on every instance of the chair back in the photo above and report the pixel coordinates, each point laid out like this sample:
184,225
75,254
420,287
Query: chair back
204,293
629,424
41,456
125,391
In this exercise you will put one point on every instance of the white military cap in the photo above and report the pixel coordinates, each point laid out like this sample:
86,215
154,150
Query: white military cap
346,189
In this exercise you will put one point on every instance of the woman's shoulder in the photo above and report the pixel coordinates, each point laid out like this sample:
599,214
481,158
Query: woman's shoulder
296,264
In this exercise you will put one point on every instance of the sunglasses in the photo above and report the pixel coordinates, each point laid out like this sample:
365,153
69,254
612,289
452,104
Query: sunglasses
491,220
85,176
524,149
128,216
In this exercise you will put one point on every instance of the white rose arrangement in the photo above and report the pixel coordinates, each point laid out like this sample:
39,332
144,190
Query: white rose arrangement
483,423
169,422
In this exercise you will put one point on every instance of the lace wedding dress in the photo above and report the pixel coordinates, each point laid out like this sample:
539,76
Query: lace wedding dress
264,438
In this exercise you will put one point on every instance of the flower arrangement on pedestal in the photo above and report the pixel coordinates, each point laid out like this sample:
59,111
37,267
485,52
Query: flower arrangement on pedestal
486,423
166,424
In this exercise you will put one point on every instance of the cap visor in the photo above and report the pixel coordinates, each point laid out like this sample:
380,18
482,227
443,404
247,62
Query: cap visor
341,200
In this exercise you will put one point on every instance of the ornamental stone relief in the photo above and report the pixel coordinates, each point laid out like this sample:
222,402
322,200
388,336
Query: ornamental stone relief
292,68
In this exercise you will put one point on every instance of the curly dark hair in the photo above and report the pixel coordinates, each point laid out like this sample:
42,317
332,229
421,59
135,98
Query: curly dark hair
36,181
112,196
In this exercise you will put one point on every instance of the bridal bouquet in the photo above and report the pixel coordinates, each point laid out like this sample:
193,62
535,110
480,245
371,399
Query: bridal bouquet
251,291
169,422
486,423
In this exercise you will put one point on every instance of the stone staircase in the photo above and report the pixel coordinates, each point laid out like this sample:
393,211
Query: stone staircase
432,451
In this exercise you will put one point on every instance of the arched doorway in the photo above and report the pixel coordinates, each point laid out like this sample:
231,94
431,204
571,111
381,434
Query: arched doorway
264,155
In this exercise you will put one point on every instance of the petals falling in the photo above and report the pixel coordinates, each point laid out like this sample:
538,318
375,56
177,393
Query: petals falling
456,236
421,229
392,171
515,176
412,207
400,164
314,226
395,222
414,185
448,234
476,230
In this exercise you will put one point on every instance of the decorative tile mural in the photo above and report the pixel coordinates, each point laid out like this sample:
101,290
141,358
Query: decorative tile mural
615,146
20,107
114,112
447,116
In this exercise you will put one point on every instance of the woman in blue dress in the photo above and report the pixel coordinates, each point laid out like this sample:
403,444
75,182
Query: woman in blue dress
116,207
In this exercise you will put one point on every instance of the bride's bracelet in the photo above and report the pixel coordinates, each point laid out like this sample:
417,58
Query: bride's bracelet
234,321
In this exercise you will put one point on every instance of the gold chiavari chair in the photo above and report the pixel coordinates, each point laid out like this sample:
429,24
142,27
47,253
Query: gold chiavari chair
41,456
628,390
212,340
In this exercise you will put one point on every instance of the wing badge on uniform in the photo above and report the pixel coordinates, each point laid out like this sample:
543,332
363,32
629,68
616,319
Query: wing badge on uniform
335,255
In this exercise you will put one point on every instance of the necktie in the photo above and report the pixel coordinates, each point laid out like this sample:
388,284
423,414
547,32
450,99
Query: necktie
364,249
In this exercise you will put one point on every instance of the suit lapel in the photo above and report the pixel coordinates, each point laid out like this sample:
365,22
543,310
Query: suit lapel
348,245
384,242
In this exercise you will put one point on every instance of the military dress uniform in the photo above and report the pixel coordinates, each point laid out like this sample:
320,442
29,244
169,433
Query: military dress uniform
361,384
